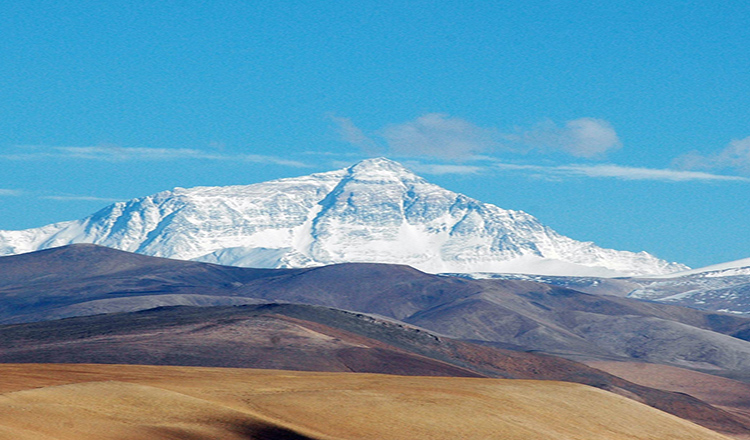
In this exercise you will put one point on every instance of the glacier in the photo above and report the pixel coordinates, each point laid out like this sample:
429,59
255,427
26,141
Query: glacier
374,211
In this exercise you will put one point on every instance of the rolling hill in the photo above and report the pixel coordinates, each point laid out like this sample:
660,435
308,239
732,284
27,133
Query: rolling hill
81,402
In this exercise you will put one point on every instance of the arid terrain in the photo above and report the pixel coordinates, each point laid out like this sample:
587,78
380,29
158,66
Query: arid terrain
81,402
728,394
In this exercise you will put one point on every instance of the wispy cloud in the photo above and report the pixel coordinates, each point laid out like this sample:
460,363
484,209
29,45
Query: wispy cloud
115,153
57,197
272,160
617,172
354,135
489,165
584,137
10,192
441,169
735,156
119,154
80,198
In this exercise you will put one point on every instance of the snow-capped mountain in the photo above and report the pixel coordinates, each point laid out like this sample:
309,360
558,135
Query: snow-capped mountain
373,211
721,287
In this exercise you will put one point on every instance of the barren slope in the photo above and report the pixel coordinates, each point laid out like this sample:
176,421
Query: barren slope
729,394
84,402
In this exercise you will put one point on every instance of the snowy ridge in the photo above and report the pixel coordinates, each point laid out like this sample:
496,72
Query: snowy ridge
374,211
731,268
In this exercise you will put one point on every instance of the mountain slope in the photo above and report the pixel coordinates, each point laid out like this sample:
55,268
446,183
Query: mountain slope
374,211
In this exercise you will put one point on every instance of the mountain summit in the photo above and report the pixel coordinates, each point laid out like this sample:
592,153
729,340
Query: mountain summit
374,211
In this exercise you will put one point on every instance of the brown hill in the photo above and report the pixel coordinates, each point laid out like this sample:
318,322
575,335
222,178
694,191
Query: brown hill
731,395
84,402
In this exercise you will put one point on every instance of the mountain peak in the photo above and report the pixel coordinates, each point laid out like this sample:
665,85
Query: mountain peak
381,168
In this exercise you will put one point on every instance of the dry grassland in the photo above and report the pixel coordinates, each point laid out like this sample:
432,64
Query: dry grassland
731,395
82,402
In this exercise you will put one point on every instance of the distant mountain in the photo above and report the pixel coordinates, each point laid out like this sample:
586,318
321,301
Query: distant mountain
731,268
719,288
374,211
722,287
724,290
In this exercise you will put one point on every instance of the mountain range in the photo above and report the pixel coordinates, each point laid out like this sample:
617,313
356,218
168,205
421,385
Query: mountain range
374,211
79,280
721,288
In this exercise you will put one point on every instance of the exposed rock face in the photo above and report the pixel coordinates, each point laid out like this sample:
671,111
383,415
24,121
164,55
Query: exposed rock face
374,211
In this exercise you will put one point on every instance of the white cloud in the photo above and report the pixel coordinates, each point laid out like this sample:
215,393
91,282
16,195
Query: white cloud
114,153
273,160
584,137
637,173
618,172
9,192
735,156
557,172
117,154
442,136
76,198
25,152
354,135
441,169
438,135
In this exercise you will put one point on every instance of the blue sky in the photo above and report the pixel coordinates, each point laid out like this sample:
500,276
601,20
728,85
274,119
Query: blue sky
626,123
